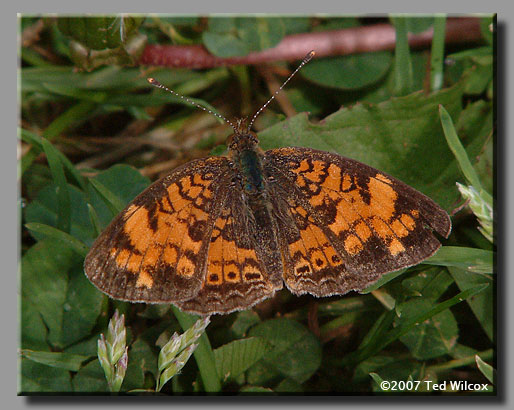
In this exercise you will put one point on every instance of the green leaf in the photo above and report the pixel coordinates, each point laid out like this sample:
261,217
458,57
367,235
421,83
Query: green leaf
33,332
56,234
437,53
39,378
486,369
404,78
142,360
434,337
458,150
90,379
481,304
296,352
471,259
100,32
44,279
238,36
37,145
59,360
382,281
112,200
349,72
244,321
368,349
42,213
82,307
63,196
235,357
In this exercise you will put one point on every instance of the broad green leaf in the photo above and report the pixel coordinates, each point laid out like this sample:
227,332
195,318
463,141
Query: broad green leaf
82,307
349,72
59,360
296,352
142,360
44,210
39,378
63,196
288,386
44,281
434,337
255,390
33,332
238,36
431,283
244,321
90,379
235,357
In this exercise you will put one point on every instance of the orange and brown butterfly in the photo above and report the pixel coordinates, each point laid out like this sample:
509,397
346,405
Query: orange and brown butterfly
221,234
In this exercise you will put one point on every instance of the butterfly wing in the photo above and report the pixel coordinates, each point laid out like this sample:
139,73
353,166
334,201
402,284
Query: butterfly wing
242,267
352,222
154,250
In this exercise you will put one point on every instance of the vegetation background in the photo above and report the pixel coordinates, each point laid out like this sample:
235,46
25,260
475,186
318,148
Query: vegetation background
93,134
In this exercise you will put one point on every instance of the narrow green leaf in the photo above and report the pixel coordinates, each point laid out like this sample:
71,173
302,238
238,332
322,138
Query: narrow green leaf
73,116
203,354
235,357
115,204
437,54
382,281
37,146
60,360
63,195
486,369
370,349
404,78
459,151
463,361
471,259
93,217
55,233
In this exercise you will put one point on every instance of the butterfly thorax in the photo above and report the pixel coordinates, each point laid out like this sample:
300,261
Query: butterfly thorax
246,156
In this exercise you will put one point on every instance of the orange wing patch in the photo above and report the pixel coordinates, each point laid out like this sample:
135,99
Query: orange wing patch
163,233
312,252
357,218
227,262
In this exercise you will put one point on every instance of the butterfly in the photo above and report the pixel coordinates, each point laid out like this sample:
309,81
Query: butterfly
221,234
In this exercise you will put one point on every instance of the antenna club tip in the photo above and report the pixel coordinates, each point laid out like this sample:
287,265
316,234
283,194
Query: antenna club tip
312,53
152,81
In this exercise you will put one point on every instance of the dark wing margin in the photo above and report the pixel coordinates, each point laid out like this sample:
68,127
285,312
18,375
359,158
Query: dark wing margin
154,250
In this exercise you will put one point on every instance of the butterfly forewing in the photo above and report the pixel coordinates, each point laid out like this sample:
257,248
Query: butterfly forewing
154,250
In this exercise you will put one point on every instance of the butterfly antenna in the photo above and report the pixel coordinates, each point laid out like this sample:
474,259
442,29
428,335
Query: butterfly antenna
157,84
306,59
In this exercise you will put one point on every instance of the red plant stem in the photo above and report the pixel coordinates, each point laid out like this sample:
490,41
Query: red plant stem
326,43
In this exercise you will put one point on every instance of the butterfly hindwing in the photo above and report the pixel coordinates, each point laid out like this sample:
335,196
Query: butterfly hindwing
240,271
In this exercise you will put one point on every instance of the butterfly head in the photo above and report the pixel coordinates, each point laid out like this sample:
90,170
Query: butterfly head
242,140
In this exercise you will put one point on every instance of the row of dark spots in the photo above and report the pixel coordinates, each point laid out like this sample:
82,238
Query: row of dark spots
249,276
